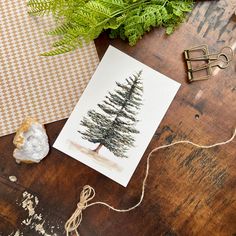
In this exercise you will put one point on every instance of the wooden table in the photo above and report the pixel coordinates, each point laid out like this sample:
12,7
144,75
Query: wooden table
189,191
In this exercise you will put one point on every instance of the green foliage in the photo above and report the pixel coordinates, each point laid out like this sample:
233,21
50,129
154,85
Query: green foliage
114,124
84,20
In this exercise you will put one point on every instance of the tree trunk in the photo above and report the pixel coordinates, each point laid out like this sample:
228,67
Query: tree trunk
98,148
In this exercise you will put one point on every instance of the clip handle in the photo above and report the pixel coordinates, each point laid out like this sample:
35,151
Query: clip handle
221,59
207,57
204,67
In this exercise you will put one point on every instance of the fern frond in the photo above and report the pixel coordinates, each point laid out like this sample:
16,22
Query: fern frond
151,15
39,7
98,9
72,35
112,24
61,29
114,4
84,20
60,50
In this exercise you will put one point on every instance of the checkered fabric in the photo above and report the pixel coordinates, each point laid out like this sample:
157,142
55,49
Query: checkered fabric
32,85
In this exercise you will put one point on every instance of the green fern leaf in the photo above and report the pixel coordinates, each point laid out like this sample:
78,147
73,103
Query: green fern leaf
98,9
84,20
60,50
114,4
112,24
61,29
38,7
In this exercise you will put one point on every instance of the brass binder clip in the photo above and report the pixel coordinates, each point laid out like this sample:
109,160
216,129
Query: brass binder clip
200,62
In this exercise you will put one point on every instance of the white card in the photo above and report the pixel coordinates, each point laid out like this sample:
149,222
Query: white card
117,115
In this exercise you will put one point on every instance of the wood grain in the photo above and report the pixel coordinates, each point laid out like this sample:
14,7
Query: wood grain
189,191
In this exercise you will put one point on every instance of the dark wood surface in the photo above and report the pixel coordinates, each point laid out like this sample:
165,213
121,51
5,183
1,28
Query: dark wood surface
189,191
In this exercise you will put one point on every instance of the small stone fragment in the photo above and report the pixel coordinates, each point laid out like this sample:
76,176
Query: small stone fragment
12,178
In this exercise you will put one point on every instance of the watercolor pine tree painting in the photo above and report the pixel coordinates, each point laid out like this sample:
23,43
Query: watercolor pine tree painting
113,126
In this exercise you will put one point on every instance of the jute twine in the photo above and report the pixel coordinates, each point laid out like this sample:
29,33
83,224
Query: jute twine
88,193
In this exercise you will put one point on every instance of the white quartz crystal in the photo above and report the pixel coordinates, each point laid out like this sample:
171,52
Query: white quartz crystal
31,142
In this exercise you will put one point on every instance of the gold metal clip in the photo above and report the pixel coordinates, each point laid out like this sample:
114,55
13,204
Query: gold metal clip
200,62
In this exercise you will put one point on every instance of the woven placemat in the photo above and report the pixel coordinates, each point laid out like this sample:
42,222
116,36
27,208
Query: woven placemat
31,85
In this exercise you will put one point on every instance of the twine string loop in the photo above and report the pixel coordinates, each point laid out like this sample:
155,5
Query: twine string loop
72,224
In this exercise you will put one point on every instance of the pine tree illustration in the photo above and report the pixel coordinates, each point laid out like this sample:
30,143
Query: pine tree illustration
113,127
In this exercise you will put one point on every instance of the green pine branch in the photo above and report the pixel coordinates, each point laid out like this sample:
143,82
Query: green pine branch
84,20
